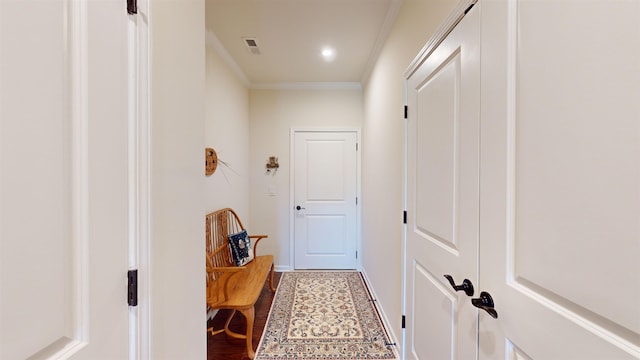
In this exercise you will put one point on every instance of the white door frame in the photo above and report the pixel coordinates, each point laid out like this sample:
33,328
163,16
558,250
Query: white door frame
139,182
292,213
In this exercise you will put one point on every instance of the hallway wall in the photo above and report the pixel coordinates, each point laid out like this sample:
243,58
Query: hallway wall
382,138
377,108
272,114
227,132
177,283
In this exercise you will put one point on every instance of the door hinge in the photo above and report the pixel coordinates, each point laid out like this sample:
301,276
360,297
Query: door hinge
356,254
356,200
356,146
468,9
404,324
132,7
132,287
404,217
406,111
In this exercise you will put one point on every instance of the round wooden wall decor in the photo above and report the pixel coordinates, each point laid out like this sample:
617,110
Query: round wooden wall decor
211,161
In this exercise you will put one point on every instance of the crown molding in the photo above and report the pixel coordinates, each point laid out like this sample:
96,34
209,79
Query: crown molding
390,19
445,28
308,86
213,41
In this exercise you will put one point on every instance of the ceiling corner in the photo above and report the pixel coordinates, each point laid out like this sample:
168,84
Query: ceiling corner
213,41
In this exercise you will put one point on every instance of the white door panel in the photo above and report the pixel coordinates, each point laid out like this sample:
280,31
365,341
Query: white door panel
323,227
433,303
36,158
560,195
442,197
325,188
64,202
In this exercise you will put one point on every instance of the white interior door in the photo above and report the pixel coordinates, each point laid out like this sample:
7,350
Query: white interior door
560,175
325,190
443,97
64,220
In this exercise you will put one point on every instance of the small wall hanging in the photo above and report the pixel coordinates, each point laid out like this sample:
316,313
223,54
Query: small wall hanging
210,161
272,166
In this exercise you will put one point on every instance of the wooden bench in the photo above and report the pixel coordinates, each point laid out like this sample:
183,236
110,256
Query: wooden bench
229,286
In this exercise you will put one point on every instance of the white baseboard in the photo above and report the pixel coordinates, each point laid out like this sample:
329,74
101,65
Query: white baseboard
385,320
211,314
283,268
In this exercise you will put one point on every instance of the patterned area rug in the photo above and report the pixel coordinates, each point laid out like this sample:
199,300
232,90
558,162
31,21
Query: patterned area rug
323,315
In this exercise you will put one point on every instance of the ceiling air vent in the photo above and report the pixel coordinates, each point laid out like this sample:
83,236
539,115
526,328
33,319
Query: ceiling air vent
252,45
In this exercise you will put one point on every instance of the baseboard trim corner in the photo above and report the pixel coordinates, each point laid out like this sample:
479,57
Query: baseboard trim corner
385,319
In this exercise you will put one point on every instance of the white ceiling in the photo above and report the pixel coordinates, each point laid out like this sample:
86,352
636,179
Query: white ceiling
292,33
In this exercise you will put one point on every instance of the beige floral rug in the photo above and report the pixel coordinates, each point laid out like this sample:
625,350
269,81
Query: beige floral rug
323,315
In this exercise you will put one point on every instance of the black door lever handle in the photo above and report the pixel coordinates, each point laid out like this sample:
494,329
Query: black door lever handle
485,302
466,285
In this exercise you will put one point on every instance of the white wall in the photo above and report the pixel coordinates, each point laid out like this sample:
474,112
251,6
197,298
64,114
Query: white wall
227,131
382,140
272,114
177,180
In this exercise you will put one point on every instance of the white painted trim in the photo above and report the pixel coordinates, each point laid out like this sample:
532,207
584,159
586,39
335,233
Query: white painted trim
383,316
292,133
78,99
144,219
292,197
283,268
307,86
132,169
211,314
445,28
511,136
213,41
327,129
67,351
144,183
383,34
139,159
359,204
405,203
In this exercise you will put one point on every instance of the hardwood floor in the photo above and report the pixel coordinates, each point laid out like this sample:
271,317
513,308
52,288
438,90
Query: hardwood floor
223,347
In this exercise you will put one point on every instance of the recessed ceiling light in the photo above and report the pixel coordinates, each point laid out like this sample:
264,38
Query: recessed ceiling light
328,54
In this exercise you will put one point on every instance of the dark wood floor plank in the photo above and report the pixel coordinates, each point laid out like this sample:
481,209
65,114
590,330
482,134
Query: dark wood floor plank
223,347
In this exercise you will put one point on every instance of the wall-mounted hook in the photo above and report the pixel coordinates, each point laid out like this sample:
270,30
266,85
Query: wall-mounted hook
272,164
